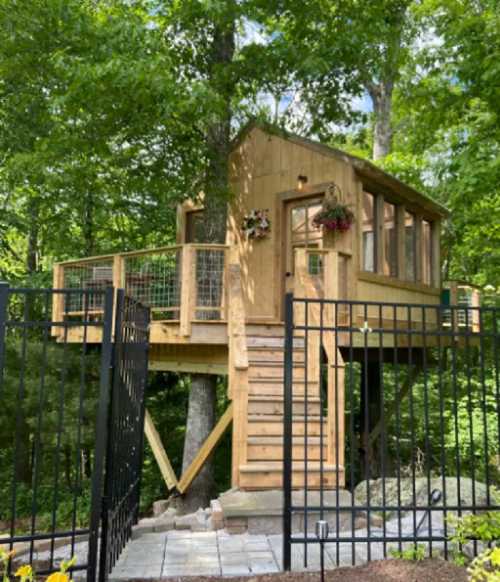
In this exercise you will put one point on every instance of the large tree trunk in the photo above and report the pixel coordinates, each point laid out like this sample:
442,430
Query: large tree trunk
381,96
202,397
200,421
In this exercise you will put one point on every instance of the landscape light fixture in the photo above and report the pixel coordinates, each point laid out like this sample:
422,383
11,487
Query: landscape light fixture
322,532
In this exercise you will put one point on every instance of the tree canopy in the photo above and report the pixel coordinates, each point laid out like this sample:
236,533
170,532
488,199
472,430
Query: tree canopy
112,112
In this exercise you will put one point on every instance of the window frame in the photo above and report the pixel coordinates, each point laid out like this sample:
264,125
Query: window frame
419,217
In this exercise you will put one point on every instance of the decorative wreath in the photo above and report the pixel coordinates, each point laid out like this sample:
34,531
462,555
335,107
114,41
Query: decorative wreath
334,215
256,224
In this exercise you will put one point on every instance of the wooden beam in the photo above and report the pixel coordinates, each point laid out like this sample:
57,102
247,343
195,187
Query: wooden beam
206,450
159,452
188,367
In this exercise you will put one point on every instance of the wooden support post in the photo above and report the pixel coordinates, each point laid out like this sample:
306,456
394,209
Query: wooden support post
238,363
57,298
206,450
159,452
119,272
187,287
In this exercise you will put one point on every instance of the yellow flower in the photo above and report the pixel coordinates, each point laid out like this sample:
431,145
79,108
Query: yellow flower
24,572
495,557
58,577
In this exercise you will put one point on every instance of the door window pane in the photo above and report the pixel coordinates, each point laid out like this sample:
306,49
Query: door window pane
368,227
390,240
410,255
427,252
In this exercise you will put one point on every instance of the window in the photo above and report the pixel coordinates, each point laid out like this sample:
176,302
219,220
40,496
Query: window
194,226
427,252
410,247
390,240
368,225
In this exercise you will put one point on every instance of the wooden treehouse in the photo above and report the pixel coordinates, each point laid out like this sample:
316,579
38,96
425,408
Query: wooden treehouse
218,309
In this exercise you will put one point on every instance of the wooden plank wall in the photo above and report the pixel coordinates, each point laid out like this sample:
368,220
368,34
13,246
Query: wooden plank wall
263,167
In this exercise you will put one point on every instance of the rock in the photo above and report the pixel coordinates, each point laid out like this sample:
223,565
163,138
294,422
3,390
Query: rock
160,506
194,521
466,496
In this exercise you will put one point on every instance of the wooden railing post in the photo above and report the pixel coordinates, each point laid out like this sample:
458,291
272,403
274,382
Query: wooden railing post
118,272
57,298
187,289
238,361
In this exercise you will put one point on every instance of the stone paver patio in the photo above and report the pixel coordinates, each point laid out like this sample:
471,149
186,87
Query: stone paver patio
178,553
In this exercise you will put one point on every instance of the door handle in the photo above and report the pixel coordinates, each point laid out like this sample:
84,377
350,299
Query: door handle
288,274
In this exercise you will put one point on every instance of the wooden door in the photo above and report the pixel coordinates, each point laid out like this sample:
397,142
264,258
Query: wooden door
299,233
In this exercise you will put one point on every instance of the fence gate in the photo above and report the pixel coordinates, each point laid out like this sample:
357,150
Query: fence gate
71,425
391,429
125,433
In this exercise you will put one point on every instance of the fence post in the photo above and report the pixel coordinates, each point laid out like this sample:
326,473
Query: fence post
4,295
101,434
287,435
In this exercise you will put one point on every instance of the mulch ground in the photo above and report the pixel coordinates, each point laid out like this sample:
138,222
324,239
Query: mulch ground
382,571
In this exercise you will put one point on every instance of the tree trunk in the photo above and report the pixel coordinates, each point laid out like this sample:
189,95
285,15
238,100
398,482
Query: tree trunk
200,421
202,397
381,96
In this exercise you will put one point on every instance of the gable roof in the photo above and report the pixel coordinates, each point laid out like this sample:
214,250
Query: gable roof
367,171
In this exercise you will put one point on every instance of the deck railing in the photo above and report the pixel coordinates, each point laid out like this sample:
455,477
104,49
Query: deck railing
180,283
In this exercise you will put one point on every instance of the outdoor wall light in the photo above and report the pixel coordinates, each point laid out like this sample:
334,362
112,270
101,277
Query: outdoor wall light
301,182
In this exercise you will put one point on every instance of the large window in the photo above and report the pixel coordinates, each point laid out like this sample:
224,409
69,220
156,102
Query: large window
410,247
390,240
427,252
369,246
396,242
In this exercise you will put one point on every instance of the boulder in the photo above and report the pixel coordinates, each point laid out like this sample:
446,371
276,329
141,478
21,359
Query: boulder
390,496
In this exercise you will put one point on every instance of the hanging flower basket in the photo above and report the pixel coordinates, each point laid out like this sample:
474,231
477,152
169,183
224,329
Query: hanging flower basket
334,216
256,224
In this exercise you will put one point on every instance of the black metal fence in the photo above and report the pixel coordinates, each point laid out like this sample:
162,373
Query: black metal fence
392,428
55,385
126,430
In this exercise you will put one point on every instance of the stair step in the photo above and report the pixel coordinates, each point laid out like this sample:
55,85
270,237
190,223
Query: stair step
271,449
264,404
270,466
273,372
270,475
277,364
272,425
272,342
262,387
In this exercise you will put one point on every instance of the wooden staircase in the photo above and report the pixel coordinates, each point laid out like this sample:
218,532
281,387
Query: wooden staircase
262,466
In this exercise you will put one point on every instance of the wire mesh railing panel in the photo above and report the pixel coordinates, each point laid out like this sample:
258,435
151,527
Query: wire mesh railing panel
209,298
96,276
49,391
409,418
154,279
